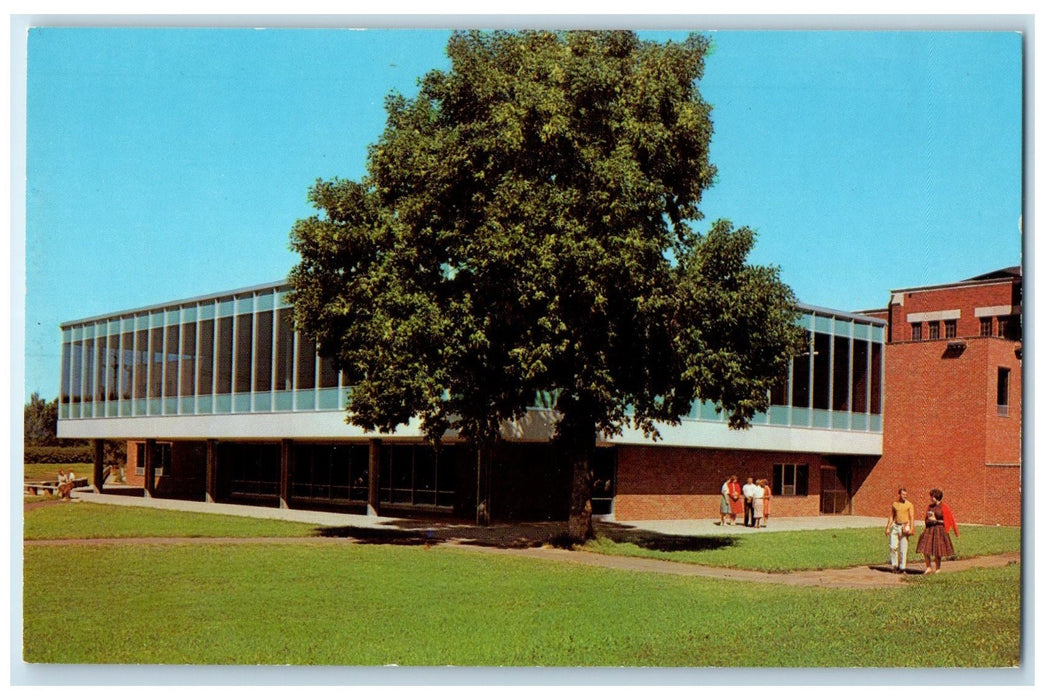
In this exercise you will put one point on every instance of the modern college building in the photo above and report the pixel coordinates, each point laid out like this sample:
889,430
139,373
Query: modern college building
220,399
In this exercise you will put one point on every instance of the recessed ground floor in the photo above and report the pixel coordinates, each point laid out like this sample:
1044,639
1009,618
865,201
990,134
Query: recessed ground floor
524,481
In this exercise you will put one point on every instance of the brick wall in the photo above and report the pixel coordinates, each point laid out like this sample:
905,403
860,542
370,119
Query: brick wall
964,298
668,483
941,429
186,478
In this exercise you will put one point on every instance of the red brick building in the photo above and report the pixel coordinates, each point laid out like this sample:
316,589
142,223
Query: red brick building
953,413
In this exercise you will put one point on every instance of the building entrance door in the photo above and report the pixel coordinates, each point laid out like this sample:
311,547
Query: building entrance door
834,496
604,481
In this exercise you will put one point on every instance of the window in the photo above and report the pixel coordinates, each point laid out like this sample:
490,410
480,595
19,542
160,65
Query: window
306,369
934,330
127,360
800,376
986,327
155,363
64,390
876,379
112,368
100,362
141,364
1009,327
821,371
284,350
88,370
263,352
223,372
916,331
170,373
161,458
417,475
205,378
860,375
243,353
1003,391
187,383
950,328
841,374
790,479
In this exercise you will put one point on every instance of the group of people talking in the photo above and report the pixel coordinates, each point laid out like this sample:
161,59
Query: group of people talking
935,541
751,499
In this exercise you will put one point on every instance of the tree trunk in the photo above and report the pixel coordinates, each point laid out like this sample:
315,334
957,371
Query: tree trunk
578,439
579,528
482,485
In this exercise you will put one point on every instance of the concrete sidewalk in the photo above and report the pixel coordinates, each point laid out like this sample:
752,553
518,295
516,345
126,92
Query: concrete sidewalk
315,517
709,526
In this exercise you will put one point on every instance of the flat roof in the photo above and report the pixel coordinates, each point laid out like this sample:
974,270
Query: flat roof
176,303
1003,276
280,284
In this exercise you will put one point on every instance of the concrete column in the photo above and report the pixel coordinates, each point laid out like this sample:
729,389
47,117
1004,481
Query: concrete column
374,494
99,464
150,467
211,486
286,458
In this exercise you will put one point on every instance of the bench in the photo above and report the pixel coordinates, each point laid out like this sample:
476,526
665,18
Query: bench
51,487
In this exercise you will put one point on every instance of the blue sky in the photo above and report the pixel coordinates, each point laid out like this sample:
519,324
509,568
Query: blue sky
169,163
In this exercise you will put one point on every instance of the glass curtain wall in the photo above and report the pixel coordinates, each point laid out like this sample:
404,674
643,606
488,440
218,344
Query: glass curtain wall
232,354
240,353
836,382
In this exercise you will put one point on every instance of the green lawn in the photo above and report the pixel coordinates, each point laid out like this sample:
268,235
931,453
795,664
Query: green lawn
790,551
328,602
49,472
81,520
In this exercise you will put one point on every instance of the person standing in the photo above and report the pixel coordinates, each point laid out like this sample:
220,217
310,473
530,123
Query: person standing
736,499
899,528
767,495
758,502
935,543
748,491
725,509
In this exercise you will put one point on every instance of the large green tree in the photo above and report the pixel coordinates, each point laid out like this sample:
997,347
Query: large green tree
526,225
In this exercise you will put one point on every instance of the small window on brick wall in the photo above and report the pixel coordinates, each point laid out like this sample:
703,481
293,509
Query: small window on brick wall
986,327
790,479
916,331
950,329
934,330
1003,391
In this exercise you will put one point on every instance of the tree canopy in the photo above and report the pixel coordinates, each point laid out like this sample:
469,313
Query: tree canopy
40,421
525,225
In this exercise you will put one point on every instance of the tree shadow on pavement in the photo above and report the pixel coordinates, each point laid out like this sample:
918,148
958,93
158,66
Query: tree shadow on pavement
516,535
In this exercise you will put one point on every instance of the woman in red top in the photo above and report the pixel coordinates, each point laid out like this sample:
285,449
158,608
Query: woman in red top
935,543
736,500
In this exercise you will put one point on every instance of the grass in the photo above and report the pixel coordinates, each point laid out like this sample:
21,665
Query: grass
78,520
327,602
791,551
49,472
330,603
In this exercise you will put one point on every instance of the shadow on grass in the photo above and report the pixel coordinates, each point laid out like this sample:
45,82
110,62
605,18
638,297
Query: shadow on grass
661,542
518,535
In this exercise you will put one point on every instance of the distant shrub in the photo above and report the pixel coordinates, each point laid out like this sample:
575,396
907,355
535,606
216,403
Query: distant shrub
58,455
